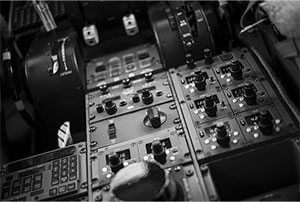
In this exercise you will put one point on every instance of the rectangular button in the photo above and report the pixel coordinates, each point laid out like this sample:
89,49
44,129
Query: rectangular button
64,173
71,186
62,189
53,192
37,177
63,179
64,161
54,181
16,188
73,177
37,185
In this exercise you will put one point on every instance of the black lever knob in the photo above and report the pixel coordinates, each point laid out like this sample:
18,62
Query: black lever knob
126,82
158,152
154,117
147,96
200,80
135,98
110,106
223,138
99,108
265,123
236,69
249,93
208,56
210,106
103,89
148,76
190,61
115,162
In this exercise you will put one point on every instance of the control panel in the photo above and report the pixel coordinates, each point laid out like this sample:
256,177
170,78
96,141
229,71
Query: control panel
49,176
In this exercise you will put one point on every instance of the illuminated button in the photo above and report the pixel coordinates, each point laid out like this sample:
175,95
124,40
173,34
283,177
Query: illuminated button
234,100
235,141
222,76
241,105
235,133
255,135
213,139
172,158
241,98
167,152
256,127
277,121
104,169
213,147
228,80
108,176
202,116
146,158
206,141
125,163
277,129
248,130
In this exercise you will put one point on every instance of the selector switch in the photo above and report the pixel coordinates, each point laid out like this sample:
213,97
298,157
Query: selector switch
103,89
154,118
249,93
158,152
190,61
200,80
208,56
236,69
210,106
147,96
149,76
265,123
115,162
135,98
223,138
110,106
126,82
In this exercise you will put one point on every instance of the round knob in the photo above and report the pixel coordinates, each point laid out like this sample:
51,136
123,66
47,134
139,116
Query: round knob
236,69
103,89
265,123
210,106
99,108
223,138
148,76
158,152
249,93
135,98
115,162
200,80
143,181
126,82
110,106
147,96
154,117
207,56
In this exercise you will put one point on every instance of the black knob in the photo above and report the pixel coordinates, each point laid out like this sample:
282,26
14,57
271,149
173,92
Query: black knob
236,69
147,96
265,123
135,98
115,162
210,106
110,106
208,56
158,152
200,80
126,82
154,117
223,138
148,76
190,61
249,93
103,88
99,108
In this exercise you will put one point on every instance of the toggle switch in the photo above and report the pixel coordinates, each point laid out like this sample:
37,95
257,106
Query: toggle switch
210,106
200,80
110,106
236,69
158,152
223,138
